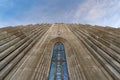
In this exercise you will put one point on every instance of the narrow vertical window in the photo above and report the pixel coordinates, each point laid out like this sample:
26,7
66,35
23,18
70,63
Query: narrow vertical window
58,69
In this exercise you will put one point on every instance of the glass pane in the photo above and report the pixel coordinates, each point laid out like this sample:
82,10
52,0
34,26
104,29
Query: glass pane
58,69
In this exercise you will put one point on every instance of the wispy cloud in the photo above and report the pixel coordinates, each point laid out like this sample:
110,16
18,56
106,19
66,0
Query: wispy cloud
99,12
96,12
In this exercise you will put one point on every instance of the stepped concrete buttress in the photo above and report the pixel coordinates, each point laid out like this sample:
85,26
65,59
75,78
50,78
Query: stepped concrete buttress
92,52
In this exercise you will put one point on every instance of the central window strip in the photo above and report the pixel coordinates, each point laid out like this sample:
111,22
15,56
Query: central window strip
58,69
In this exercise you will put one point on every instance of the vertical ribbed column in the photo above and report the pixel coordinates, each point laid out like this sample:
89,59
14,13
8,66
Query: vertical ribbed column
15,43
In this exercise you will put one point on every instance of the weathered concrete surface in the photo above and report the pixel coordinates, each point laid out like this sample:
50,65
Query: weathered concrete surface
92,53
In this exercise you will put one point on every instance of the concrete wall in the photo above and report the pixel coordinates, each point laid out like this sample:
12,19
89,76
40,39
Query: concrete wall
90,52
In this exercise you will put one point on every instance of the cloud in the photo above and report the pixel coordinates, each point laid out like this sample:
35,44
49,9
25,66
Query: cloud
97,11
91,10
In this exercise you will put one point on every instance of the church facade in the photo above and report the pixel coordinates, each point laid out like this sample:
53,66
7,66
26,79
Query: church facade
59,52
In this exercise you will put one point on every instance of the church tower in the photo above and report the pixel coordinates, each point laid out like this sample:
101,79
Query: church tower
59,52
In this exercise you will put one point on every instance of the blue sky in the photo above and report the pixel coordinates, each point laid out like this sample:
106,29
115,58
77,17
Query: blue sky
94,12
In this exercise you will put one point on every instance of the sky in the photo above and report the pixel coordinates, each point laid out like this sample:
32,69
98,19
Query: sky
94,12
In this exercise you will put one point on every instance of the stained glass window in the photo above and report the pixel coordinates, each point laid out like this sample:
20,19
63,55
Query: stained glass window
58,69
